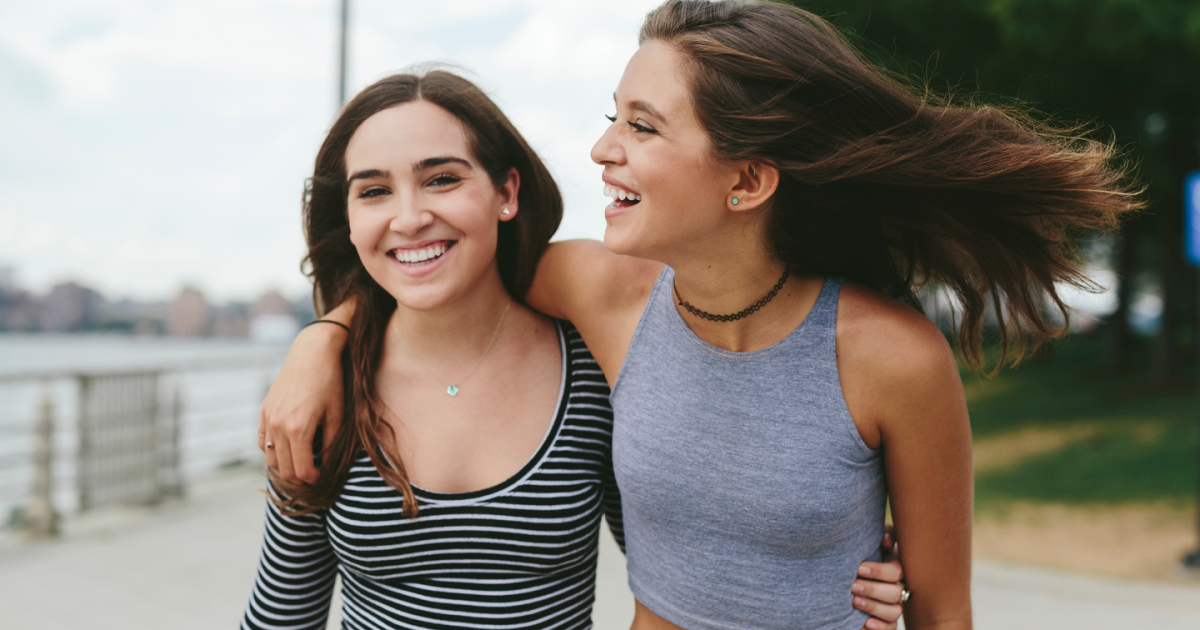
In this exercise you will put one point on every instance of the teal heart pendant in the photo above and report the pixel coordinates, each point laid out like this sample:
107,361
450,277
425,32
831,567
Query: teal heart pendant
452,390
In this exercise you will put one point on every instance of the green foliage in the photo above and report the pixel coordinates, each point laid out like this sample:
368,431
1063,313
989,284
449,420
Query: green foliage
1116,465
1141,447
1114,62
1070,388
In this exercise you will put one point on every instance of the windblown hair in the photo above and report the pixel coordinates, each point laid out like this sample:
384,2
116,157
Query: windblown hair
338,273
888,186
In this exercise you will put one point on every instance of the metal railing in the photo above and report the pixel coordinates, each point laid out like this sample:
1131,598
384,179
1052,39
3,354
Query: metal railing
71,442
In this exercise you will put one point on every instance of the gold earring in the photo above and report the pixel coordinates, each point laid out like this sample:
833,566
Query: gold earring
505,211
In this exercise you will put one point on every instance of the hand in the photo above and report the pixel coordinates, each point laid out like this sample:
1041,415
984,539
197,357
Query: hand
878,590
306,393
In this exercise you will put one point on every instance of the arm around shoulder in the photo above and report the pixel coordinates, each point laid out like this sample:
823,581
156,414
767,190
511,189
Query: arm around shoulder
578,278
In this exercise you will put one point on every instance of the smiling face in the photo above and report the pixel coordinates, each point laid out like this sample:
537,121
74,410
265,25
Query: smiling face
423,212
656,152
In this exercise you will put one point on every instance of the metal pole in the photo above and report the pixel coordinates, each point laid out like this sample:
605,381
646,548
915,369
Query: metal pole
342,54
1191,561
40,518
84,458
1191,194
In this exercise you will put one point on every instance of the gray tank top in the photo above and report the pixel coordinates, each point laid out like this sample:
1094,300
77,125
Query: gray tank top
749,496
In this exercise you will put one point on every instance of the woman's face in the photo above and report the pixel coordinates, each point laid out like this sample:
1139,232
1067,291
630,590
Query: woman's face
657,152
423,212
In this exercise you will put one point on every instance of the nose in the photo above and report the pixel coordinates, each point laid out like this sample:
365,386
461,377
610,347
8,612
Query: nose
607,149
410,215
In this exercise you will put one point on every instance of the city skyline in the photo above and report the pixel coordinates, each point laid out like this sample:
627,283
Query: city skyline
149,145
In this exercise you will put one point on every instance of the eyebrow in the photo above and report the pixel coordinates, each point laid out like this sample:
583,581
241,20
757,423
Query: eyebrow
368,174
417,168
643,106
438,161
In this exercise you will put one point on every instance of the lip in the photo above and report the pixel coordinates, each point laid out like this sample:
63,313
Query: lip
423,270
611,211
612,181
421,244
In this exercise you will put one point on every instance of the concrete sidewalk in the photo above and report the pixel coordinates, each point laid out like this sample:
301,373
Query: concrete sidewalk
191,564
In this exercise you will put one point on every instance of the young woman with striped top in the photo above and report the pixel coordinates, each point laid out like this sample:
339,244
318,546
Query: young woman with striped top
466,487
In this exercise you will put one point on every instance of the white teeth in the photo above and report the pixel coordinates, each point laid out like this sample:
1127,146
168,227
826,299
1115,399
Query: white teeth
420,255
620,194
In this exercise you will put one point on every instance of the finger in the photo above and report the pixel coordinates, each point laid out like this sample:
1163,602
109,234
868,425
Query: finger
889,537
302,456
885,592
283,453
272,461
887,613
889,571
262,431
878,624
333,424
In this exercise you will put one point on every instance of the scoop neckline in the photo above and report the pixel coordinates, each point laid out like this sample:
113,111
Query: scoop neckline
535,460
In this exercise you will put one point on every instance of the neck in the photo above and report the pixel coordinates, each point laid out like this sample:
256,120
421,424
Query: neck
454,332
729,272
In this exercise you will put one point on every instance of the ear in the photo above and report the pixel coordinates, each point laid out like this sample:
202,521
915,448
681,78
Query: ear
756,184
508,196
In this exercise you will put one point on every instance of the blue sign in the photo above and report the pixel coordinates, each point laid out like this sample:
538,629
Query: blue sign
1191,208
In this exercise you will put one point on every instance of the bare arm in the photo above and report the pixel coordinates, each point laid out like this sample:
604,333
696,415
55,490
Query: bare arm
902,387
306,394
927,446
602,293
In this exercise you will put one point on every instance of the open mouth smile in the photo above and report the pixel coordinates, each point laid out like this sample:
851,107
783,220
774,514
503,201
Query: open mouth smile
423,256
621,198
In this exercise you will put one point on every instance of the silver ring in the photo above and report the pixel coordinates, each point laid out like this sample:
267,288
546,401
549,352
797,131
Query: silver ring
272,445
904,595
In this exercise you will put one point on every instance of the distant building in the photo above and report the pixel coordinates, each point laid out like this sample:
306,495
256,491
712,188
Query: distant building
272,320
231,320
20,311
188,316
70,307
8,280
139,318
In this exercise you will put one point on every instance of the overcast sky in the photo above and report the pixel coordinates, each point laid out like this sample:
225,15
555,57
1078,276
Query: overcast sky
149,143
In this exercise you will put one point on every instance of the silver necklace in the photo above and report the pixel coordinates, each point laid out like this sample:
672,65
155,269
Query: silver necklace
453,389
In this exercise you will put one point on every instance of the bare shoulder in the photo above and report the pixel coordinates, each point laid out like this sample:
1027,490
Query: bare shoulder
580,278
881,334
893,362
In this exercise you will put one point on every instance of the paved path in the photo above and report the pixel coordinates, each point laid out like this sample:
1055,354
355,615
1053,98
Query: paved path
191,564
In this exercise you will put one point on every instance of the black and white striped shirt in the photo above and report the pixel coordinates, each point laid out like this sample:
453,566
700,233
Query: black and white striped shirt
521,554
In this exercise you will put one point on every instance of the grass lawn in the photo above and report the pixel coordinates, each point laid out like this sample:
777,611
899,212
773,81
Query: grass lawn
1072,435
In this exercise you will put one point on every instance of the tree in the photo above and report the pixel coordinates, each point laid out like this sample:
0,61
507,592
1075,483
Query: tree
1132,66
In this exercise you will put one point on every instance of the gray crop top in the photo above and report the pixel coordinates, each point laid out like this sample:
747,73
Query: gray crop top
749,496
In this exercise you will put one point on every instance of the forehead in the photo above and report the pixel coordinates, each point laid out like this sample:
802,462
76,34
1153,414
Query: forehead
656,74
406,133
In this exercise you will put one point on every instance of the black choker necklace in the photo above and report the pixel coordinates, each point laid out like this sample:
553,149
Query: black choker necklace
738,315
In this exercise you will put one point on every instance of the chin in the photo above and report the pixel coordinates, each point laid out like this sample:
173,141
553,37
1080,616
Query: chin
625,241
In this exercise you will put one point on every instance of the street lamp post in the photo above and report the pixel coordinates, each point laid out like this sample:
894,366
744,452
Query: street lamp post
342,54
1191,198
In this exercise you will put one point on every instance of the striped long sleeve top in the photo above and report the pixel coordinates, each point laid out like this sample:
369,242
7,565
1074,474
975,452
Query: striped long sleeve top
521,554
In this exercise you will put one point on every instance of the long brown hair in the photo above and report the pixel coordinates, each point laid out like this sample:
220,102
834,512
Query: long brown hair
887,185
338,273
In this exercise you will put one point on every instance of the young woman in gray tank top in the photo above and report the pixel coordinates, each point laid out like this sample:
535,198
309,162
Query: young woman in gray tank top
777,203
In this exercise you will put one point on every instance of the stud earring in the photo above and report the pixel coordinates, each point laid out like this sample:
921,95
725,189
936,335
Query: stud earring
505,211
735,201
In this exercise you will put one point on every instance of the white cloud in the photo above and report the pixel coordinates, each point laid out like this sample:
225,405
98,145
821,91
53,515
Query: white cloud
149,142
